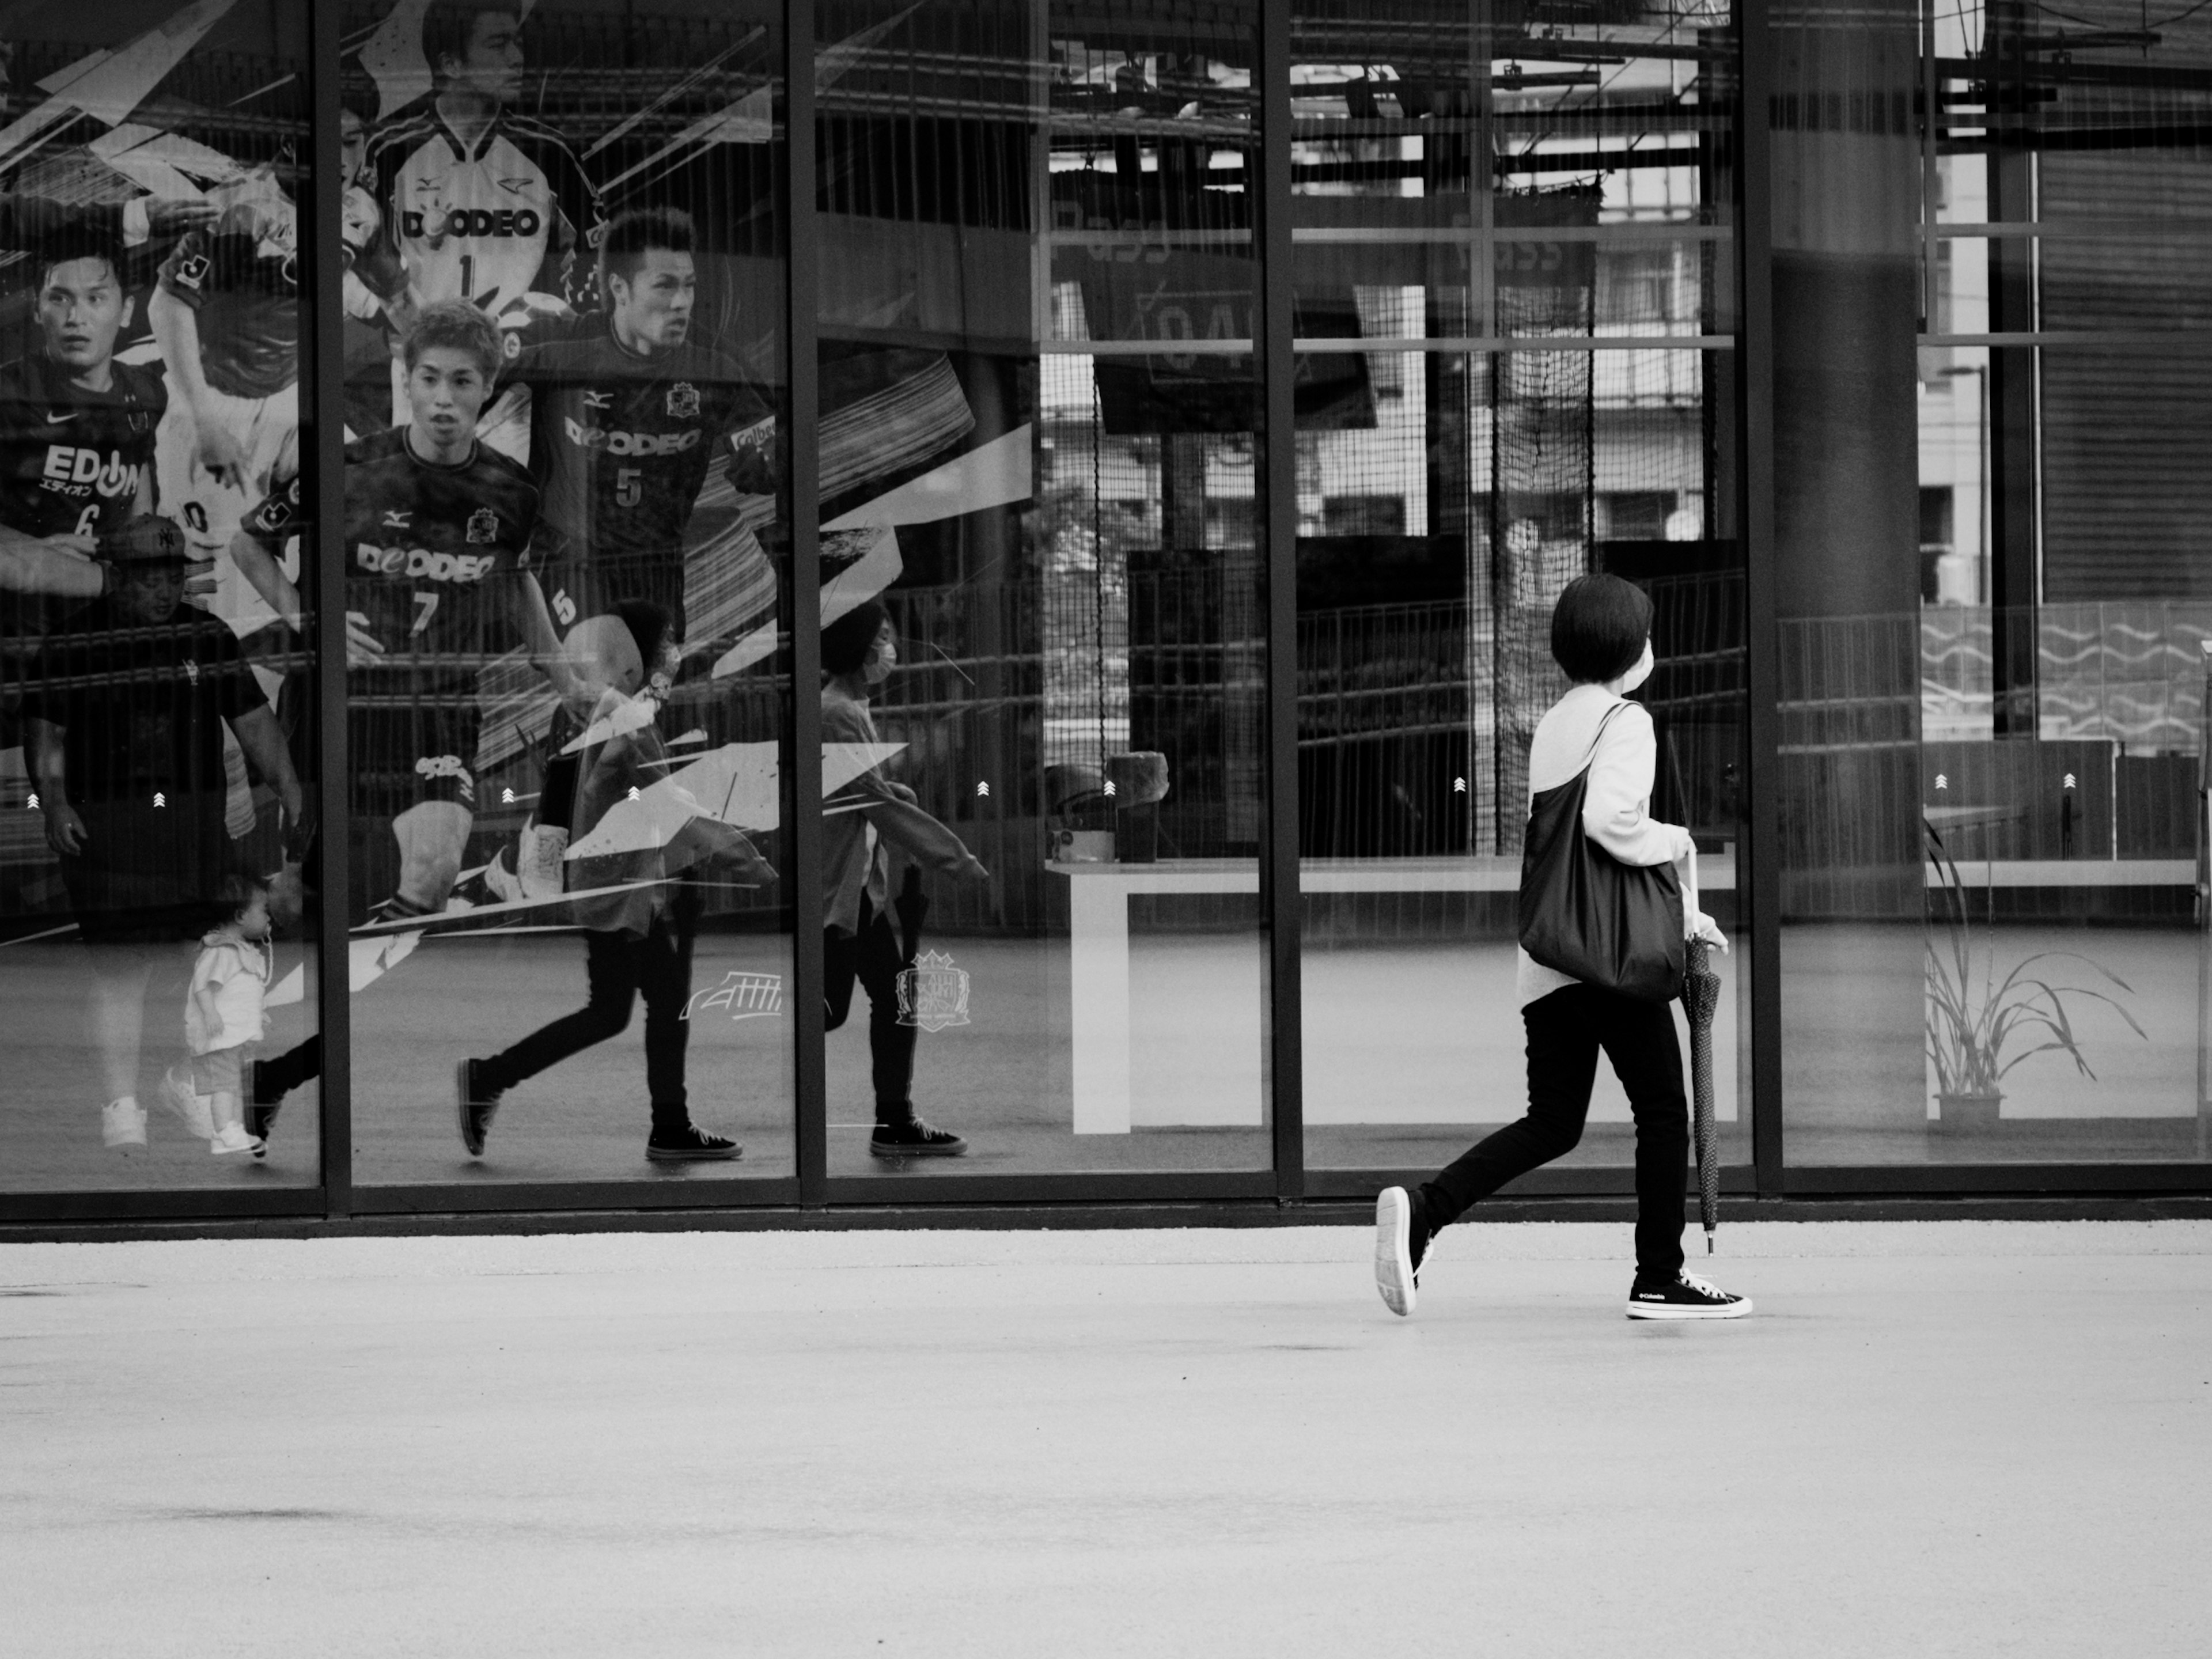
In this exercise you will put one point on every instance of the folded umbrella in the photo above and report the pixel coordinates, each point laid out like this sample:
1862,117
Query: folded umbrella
1701,995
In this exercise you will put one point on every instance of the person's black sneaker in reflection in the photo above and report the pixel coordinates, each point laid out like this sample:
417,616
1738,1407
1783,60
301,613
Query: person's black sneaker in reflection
690,1144
915,1139
474,1105
260,1111
1688,1298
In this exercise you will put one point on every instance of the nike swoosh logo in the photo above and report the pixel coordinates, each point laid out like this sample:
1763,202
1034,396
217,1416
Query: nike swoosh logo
54,418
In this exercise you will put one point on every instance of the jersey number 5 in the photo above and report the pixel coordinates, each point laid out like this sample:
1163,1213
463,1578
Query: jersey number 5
629,489
429,604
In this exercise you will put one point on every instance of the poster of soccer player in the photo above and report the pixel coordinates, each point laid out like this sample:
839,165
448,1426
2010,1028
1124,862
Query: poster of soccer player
599,190
150,177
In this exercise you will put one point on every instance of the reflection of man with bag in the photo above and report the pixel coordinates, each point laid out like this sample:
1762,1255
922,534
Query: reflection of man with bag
639,939
868,821
1602,921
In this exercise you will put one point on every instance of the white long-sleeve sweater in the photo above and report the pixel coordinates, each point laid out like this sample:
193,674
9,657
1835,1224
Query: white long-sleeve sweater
1616,806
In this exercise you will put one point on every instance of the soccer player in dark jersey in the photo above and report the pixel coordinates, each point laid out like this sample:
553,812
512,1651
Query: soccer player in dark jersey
76,428
477,202
626,409
437,547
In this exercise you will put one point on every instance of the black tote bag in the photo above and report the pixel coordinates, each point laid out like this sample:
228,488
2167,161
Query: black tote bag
1586,913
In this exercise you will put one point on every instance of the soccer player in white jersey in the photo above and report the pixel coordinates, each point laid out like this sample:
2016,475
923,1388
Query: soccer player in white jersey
477,202
226,314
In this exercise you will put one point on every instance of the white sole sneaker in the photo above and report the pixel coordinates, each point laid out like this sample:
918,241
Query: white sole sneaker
123,1126
1393,1260
1736,1310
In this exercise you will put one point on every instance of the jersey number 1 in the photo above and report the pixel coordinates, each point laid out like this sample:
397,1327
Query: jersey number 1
468,275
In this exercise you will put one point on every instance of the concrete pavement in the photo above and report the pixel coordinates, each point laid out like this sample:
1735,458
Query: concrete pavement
1933,1438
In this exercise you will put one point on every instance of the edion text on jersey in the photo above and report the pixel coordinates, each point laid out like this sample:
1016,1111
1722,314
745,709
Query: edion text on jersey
71,470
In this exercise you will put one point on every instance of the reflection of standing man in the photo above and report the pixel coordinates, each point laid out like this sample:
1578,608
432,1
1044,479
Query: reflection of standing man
627,412
862,822
124,728
479,203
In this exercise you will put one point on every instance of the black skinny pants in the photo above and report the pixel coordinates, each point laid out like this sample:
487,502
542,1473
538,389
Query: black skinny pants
874,957
1565,1031
619,967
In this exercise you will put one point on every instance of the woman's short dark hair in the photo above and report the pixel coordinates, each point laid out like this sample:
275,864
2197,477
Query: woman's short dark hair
847,641
1599,628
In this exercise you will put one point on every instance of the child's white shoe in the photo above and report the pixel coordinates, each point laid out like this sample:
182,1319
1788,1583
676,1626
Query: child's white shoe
195,1112
541,850
232,1138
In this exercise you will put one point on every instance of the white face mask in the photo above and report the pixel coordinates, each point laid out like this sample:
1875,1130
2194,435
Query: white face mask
881,660
1635,676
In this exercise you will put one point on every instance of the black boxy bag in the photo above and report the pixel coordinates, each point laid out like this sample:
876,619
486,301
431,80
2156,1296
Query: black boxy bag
1586,913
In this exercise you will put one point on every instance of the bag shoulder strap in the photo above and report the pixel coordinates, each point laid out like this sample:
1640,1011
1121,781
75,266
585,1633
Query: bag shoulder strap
1599,735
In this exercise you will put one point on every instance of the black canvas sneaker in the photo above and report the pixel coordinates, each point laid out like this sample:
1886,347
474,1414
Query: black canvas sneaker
915,1139
1401,1240
260,1113
474,1105
1688,1298
690,1144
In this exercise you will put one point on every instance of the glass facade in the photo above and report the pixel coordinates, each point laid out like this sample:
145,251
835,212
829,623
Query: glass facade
778,603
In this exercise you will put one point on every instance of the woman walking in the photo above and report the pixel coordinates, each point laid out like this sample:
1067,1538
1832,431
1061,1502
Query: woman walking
1602,638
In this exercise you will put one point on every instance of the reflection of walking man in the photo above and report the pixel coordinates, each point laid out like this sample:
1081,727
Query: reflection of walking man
636,941
865,820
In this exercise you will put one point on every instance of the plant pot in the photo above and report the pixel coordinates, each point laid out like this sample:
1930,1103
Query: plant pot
1964,1114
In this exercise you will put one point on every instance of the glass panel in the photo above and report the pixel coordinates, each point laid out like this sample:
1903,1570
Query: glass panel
154,751
1040,415
1994,574
1456,469
565,295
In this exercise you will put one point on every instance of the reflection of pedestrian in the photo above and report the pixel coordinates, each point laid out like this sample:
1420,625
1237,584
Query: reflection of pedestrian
637,941
863,821
1601,637
223,1016
125,723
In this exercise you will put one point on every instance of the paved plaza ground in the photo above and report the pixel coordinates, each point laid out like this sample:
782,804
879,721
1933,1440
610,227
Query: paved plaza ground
1968,1439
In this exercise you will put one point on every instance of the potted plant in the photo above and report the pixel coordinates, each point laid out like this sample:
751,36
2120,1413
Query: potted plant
1979,1027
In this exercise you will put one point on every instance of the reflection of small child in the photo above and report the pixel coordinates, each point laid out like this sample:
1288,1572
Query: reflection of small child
223,1019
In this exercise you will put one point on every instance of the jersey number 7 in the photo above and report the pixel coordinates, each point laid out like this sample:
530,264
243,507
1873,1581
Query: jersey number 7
428,602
